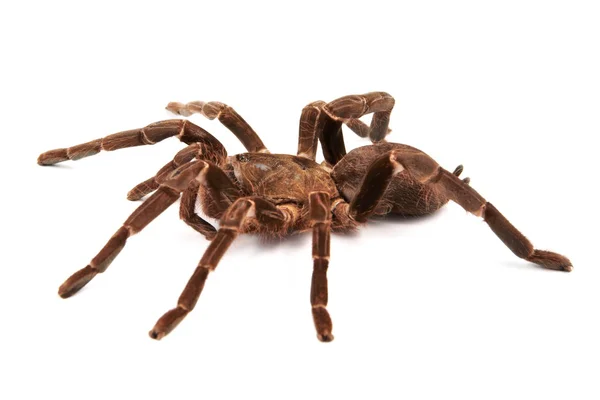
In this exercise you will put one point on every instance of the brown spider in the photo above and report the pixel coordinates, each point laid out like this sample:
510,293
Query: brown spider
278,194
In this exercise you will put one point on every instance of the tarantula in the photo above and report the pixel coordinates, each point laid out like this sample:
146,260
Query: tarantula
278,194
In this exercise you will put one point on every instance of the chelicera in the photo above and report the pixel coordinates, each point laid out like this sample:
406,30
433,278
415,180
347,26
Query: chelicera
279,194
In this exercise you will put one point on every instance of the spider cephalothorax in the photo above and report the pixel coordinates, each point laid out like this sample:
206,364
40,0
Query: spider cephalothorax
278,194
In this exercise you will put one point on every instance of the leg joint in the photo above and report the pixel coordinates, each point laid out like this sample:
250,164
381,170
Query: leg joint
320,205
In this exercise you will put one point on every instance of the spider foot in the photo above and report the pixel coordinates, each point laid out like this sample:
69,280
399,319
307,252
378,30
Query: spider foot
323,324
178,108
325,338
141,190
185,110
550,260
52,157
167,323
76,281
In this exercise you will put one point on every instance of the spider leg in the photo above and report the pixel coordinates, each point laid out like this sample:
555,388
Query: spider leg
315,124
217,186
222,191
153,133
460,192
227,116
214,182
149,185
376,181
323,121
202,146
167,194
352,107
320,220
232,222
426,170
187,212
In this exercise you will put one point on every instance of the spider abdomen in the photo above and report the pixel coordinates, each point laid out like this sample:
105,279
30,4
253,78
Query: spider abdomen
404,196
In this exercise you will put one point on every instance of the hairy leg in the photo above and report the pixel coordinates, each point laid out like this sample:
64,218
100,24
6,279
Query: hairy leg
204,147
227,116
460,192
232,222
218,192
323,121
352,107
320,220
187,212
149,185
167,194
151,134
426,170
316,125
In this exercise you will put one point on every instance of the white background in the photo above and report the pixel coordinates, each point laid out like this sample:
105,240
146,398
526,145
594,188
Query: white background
430,309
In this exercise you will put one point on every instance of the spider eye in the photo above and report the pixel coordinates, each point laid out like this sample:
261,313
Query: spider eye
242,157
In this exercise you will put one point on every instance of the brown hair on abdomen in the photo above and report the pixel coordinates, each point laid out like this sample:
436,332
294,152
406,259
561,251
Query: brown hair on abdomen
404,196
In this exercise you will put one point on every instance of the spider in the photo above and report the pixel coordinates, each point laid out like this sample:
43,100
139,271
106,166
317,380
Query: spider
278,194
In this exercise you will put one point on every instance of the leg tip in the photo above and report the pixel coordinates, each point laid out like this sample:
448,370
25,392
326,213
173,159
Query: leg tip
323,323
156,335
133,196
167,323
52,157
76,281
178,108
64,293
325,337
67,289
550,260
